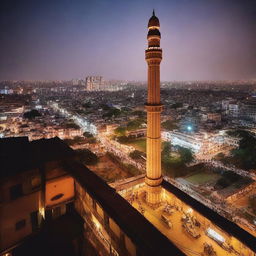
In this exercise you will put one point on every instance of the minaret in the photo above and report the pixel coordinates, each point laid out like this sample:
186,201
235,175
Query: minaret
154,107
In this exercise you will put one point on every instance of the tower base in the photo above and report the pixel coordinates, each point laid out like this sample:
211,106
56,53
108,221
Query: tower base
153,195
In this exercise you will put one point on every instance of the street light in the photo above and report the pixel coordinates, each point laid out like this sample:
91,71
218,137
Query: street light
189,128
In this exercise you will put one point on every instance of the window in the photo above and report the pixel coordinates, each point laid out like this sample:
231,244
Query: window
16,191
20,224
58,196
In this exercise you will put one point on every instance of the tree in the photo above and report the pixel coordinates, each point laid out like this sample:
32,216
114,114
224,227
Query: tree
87,135
167,148
186,155
123,139
120,131
169,125
112,112
87,157
227,179
245,156
139,113
135,124
31,114
136,154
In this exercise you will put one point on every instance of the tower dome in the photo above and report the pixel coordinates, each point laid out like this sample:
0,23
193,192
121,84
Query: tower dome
153,21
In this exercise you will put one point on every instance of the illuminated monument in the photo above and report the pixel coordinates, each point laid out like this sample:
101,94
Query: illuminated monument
153,56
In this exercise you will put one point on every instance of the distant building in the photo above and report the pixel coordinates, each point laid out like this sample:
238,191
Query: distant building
230,107
137,133
248,110
216,117
6,90
202,144
75,82
233,109
224,105
94,83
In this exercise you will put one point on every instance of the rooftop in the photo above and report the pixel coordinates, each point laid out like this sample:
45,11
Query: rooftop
18,154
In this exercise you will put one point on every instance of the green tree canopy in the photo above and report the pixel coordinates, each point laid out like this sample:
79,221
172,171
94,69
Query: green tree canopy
112,112
169,125
139,113
245,155
120,131
166,149
135,124
136,154
186,155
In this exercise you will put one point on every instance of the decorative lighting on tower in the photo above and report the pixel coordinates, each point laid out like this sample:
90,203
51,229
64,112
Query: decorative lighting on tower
153,56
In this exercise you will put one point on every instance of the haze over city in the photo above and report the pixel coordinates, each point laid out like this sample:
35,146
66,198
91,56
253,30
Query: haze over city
202,40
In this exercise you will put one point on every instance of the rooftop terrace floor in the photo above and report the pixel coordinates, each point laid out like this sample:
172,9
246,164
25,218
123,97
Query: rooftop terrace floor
185,227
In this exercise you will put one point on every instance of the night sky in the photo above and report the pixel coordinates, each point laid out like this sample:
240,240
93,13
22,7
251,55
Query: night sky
61,39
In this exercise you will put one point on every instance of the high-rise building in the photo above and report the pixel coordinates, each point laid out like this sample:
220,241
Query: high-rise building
94,83
154,107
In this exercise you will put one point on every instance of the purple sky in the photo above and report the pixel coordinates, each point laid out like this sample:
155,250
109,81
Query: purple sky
61,39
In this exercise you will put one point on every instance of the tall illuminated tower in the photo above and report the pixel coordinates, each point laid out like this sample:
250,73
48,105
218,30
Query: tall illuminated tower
154,107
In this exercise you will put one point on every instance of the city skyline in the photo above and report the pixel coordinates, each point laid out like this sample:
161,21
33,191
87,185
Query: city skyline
63,40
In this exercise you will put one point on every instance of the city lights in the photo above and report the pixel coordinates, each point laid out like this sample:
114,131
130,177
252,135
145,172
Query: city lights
150,162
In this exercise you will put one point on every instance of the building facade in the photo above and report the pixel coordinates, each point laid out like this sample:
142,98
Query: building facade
34,186
94,83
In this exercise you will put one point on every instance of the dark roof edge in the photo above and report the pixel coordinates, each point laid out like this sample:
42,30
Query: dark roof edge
142,233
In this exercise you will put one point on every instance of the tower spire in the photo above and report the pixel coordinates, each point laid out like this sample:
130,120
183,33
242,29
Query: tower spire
153,12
